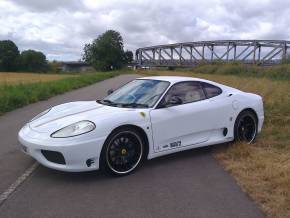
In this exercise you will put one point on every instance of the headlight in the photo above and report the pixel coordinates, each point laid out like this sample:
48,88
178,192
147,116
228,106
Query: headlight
40,115
75,129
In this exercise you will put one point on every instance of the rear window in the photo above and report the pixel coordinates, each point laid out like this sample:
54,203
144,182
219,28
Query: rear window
211,90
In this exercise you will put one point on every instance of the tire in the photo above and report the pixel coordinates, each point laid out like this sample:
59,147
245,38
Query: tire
122,152
246,127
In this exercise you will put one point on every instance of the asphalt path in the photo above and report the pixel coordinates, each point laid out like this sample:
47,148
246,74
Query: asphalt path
187,184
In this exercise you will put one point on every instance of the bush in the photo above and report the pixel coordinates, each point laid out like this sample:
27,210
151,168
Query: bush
33,61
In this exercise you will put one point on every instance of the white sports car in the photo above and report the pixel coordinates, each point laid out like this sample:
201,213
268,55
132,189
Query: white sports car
146,118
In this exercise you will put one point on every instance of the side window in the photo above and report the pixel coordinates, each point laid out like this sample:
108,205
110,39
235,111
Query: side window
211,90
186,91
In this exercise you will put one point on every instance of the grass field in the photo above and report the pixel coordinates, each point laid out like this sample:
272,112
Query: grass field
24,78
41,87
262,169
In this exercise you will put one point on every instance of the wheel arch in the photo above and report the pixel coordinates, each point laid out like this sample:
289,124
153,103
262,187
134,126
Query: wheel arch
140,130
251,110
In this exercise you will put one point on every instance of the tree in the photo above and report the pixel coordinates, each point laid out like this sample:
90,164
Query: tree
106,52
54,66
9,56
128,56
33,61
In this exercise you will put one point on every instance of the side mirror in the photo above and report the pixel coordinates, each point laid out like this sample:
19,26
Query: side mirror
173,100
110,91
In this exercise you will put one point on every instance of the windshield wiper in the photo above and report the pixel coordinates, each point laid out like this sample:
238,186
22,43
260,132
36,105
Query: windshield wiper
106,102
135,105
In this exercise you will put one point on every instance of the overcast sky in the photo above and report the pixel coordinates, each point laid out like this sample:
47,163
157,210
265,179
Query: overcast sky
60,28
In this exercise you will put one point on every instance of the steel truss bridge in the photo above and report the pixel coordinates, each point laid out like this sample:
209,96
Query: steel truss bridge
259,52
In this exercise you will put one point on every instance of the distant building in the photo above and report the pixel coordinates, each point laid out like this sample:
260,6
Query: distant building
133,65
75,66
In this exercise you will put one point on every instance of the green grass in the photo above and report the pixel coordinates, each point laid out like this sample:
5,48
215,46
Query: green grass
15,96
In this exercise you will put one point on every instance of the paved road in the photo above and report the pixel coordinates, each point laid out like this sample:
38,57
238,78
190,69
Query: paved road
188,184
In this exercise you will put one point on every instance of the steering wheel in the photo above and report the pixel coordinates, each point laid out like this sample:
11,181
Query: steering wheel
152,97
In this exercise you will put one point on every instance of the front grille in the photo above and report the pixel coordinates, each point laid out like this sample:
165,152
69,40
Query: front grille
53,156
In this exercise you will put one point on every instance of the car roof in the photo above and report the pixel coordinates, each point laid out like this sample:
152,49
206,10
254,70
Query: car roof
175,79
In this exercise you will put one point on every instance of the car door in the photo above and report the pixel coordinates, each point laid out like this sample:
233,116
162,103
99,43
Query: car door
183,124
221,110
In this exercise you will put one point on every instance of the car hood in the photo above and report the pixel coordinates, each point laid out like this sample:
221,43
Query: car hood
69,113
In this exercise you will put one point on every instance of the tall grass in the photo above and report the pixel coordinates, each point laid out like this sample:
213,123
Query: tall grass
280,72
15,96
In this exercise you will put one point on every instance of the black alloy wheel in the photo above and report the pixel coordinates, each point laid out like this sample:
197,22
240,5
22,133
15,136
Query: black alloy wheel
122,152
246,127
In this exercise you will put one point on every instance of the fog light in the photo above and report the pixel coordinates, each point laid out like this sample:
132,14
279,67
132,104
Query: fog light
89,162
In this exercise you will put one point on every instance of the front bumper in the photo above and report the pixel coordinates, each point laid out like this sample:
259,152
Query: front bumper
76,151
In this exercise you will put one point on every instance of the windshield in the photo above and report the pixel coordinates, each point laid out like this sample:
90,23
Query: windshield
138,93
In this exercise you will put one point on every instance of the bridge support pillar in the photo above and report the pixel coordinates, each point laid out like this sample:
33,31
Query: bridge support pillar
140,57
259,53
180,55
171,55
211,55
254,54
191,59
284,52
235,51
203,46
159,56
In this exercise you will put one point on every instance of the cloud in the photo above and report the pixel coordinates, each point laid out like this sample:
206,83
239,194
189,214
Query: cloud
51,5
60,28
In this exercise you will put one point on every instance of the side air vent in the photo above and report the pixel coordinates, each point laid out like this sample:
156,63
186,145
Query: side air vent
225,131
53,156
